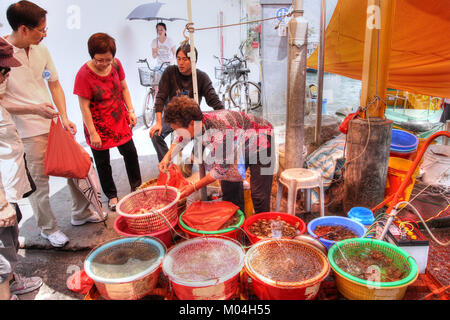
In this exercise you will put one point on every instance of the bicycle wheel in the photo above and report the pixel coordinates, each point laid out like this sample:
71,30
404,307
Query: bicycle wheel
149,109
245,96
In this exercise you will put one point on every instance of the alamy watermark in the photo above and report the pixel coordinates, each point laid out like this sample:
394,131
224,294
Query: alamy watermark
373,17
74,17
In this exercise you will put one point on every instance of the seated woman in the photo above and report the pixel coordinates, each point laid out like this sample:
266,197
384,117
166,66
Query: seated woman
235,140
108,113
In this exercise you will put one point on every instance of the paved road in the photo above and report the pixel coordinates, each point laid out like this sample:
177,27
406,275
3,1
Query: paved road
38,257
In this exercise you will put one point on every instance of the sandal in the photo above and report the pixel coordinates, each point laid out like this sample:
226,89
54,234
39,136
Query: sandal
112,207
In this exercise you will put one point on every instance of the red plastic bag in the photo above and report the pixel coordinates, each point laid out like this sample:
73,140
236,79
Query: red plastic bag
79,282
176,178
64,157
209,216
344,125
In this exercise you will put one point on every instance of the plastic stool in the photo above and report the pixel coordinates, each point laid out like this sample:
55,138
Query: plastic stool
304,179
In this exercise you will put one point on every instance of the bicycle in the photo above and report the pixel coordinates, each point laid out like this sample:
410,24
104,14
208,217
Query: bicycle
245,95
149,77
225,74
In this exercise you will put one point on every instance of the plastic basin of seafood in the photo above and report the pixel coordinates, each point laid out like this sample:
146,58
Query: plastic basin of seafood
286,269
354,226
293,226
126,268
150,209
204,268
371,269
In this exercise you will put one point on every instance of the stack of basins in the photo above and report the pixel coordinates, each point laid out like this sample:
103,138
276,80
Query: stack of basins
149,212
403,144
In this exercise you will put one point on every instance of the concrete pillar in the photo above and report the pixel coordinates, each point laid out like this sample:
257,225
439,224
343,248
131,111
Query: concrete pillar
274,55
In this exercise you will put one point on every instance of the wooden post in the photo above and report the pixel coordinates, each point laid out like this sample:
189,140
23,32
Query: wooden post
193,57
295,113
377,50
369,139
320,73
192,54
367,162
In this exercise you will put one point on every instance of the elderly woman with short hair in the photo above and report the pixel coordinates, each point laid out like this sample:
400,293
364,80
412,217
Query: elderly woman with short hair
108,113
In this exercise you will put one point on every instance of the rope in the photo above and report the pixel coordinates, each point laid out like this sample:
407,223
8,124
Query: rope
440,212
192,29
189,26
375,99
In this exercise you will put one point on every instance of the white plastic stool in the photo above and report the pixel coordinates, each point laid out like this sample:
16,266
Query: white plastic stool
304,179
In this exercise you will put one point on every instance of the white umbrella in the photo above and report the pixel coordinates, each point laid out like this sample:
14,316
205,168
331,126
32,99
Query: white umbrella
149,12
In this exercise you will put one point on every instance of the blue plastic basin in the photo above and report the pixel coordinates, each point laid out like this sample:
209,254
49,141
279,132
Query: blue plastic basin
355,226
403,141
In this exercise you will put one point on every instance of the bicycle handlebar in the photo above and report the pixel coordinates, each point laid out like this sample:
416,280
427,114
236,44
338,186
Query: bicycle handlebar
153,69
230,61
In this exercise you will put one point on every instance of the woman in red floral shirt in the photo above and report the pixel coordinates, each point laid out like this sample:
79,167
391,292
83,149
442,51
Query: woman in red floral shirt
108,113
234,141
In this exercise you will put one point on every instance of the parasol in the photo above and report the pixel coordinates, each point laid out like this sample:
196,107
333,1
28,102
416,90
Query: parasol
149,12
90,187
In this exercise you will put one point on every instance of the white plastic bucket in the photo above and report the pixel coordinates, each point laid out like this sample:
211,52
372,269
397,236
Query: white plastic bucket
436,166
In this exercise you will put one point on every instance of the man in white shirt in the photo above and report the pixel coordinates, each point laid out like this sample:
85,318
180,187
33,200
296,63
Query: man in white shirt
14,184
26,85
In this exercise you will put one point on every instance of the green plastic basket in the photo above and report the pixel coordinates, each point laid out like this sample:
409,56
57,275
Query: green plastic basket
401,259
232,228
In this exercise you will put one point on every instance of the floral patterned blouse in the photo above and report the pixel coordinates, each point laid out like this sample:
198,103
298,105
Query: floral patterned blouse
229,135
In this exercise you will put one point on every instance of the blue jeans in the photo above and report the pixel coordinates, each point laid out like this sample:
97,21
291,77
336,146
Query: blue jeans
159,143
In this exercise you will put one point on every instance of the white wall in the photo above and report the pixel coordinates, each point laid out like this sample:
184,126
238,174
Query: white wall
72,22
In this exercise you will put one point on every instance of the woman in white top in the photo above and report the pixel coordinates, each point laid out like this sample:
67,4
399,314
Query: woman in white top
163,48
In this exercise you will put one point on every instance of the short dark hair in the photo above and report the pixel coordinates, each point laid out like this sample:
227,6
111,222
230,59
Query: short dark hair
186,48
100,43
25,13
182,110
162,24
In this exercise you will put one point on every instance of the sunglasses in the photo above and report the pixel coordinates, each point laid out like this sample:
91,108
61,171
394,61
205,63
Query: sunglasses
5,70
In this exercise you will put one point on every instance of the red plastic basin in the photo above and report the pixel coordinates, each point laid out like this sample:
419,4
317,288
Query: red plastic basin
220,291
289,218
266,291
165,235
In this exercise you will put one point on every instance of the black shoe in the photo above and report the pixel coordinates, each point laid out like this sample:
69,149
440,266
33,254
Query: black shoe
112,207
